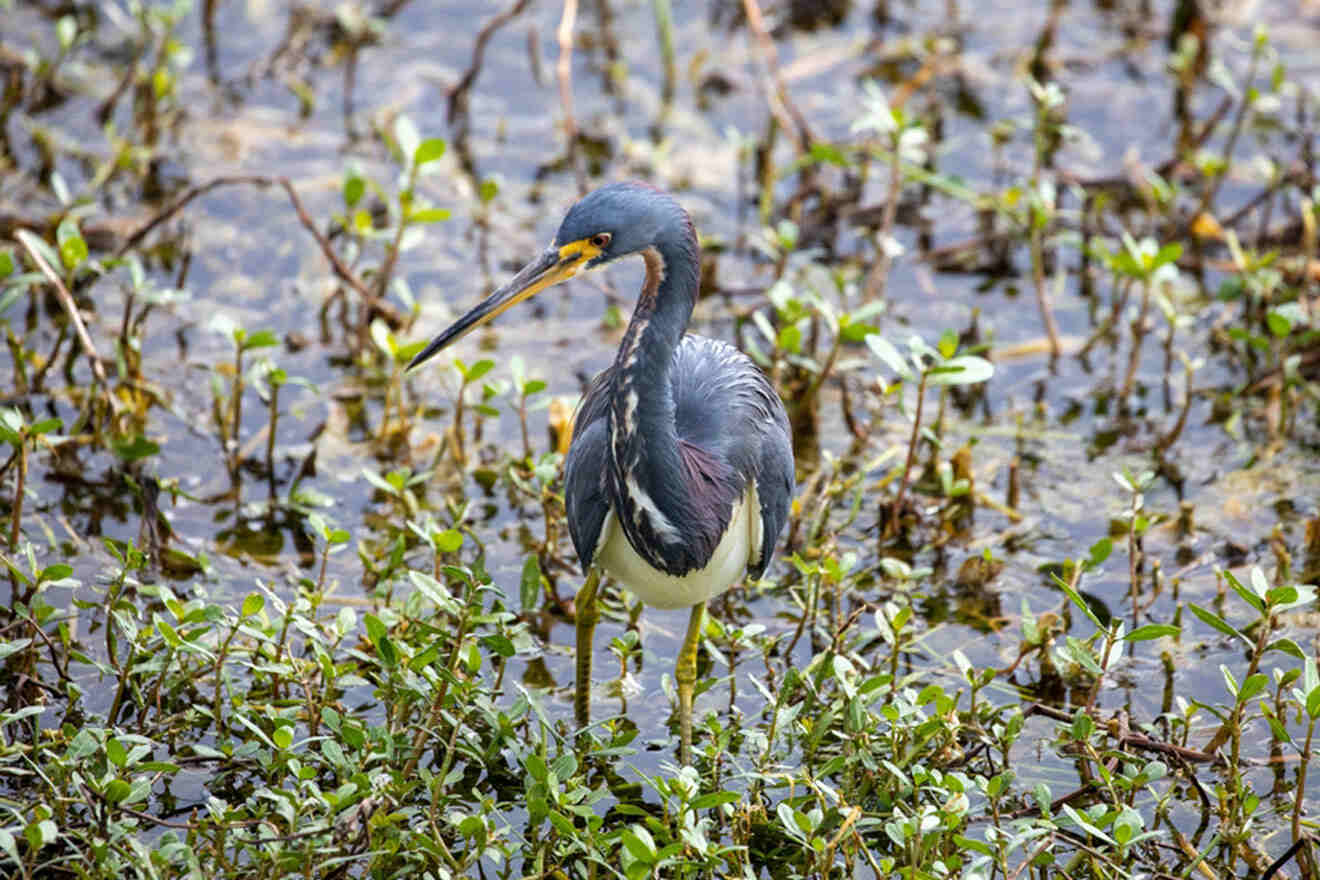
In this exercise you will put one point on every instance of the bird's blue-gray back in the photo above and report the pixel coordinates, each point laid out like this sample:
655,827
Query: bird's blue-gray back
731,429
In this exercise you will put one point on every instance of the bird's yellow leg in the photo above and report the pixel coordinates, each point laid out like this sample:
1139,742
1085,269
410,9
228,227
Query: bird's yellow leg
685,676
588,613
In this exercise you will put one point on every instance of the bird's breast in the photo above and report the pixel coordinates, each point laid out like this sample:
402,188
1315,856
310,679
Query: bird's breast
739,545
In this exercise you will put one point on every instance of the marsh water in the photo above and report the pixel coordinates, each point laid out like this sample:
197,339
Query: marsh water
270,90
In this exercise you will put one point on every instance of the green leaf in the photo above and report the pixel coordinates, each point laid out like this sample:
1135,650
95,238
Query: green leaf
6,269
1287,646
1230,681
260,339
55,572
477,370
406,137
167,631
1078,601
973,845
1083,656
252,604
564,766
535,765
66,31
39,833
529,586
715,799
1152,631
448,541
966,369
117,790
500,644
1252,686
790,339
384,339
1251,598
134,448
1211,619
428,151
73,250
376,630
430,215
9,844
115,752
639,843
379,482
1100,551
1084,824
889,356
354,188
1278,324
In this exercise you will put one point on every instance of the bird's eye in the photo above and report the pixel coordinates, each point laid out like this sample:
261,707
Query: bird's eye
601,240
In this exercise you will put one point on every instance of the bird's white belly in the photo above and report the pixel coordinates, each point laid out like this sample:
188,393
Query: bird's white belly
741,542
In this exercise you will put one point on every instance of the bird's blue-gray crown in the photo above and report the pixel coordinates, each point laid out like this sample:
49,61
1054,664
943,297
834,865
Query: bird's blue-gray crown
632,216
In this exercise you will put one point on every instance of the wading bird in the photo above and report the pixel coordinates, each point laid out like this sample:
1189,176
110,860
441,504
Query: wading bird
680,473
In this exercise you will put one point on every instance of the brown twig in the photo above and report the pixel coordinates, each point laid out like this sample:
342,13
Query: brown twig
781,103
182,201
71,309
1168,439
564,68
1282,860
458,93
345,274
1137,741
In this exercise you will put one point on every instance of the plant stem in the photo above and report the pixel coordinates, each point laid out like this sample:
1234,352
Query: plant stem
270,437
16,515
236,409
897,509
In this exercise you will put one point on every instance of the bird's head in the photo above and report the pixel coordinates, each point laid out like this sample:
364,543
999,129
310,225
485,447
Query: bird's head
612,222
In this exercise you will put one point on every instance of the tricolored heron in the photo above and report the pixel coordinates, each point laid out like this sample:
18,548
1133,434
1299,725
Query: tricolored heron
680,473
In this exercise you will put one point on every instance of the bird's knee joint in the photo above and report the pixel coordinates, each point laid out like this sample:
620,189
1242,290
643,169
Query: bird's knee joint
588,613
685,672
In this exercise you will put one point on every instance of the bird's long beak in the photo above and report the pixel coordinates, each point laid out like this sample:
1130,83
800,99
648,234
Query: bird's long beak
551,267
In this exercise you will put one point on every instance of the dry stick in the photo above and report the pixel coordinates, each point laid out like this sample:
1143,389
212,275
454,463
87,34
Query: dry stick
1167,440
16,513
1134,557
1208,197
1138,337
1042,295
458,93
564,73
897,511
375,303
1294,850
385,309
145,817
781,105
178,204
71,309
879,274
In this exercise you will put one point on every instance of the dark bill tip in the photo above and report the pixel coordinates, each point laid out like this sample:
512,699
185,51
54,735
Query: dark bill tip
535,276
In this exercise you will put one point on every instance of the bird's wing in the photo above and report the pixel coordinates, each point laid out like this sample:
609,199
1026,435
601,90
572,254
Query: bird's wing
775,477
731,421
585,498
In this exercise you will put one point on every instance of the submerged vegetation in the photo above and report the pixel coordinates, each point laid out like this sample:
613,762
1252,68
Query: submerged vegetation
1040,296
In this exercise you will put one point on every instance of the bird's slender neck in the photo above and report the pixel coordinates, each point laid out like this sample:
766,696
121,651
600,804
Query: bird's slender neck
644,448
658,323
